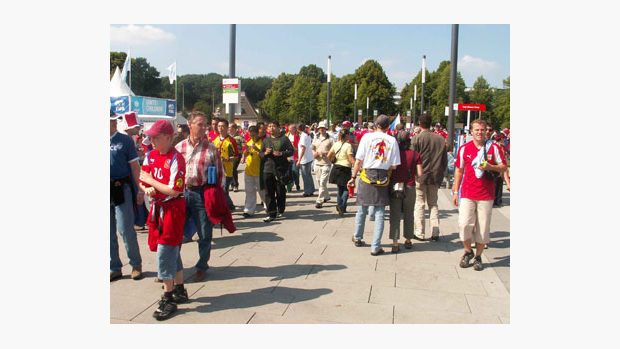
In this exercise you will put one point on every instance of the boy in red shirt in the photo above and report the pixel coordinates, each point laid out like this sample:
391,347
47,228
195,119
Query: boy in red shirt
163,179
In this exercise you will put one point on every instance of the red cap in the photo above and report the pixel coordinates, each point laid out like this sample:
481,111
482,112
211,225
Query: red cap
506,131
346,124
161,126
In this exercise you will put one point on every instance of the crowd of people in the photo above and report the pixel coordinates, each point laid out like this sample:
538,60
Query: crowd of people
171,182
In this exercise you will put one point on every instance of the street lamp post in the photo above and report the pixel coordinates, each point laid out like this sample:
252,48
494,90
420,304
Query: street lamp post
423,81
329,81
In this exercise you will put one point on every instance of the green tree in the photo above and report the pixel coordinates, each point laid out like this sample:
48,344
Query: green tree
313,72
501,104
117,59
256,88
482,93
303,99
276,105
340,101
440,96
374,83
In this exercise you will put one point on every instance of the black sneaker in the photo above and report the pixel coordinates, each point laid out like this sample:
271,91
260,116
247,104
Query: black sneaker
318,205
358,243
179,295
435,238
246,215
165,309
466,258
326,199
478,263
268,219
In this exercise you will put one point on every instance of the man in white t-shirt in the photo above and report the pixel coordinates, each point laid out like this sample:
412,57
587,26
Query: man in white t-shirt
304,160
377,155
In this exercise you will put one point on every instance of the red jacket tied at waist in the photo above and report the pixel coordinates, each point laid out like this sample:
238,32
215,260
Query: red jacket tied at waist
217,209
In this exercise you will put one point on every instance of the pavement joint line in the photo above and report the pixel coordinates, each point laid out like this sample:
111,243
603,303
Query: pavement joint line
309,272
287,306
314,238
298,258
393,313
467,302
250,319
325,248
369,293
394,279
145,309
376,263
222,255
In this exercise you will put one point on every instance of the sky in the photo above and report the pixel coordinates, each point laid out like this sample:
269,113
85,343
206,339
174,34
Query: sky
270,49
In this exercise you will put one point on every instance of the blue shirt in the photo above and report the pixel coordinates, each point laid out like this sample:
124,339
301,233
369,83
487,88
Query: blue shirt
122,152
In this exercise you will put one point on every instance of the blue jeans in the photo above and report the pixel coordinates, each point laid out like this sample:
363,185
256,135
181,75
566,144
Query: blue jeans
343,197
295,172
190,229
196,210
360,219
122,219
306,175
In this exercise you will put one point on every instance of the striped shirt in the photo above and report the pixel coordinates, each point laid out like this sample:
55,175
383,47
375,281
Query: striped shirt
197,159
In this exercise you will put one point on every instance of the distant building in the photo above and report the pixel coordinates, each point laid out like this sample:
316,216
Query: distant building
245,113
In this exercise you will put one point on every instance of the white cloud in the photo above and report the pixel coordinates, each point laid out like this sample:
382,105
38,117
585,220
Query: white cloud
473,67
137,35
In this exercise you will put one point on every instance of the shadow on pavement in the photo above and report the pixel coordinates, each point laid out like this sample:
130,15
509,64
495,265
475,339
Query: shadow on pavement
254,298
236,239
280,272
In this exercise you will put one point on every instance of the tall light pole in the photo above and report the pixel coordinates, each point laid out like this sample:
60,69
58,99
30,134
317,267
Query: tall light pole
359,119
453,58
415,96
367,106
423,81
231,65
329,81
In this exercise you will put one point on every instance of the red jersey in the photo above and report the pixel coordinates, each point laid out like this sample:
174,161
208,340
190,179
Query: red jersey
213,135
477,188
166,168
442,133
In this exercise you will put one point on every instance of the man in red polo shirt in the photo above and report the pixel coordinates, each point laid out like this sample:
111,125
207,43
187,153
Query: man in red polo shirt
474,163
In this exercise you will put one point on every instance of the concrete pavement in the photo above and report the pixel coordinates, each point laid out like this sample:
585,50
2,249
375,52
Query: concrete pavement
304,268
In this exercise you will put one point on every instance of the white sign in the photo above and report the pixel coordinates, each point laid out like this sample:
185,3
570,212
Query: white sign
375,112
447,111
230,90
359,112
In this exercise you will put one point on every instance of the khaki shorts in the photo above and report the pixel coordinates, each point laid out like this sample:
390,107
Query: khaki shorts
475,220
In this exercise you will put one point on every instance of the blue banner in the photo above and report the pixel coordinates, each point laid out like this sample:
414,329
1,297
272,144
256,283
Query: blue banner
153,106
119,105
171,108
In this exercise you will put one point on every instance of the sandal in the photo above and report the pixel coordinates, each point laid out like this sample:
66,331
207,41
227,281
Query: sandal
395,248
408,244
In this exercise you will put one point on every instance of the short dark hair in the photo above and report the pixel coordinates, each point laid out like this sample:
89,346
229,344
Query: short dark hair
404,140
275,122
184,128
194,114
425,121
253,128
224,121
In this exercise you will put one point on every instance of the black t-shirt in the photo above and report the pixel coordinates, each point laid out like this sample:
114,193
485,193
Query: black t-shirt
270,161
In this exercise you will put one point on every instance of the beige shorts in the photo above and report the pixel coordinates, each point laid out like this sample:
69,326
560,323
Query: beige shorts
475,220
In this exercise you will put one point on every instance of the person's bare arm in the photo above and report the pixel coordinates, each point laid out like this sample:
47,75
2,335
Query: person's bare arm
135,174
160,187
458,176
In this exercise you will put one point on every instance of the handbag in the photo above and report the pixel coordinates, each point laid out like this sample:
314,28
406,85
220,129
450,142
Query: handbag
488,174
333,173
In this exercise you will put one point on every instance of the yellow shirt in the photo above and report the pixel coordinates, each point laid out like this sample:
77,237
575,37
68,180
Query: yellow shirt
252,160
226,149
342,158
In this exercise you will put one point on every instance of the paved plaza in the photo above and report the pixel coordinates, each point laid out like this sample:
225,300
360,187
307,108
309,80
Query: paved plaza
304,269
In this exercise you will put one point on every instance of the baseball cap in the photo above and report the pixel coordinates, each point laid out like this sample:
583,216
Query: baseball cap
322,124
346,124
159,127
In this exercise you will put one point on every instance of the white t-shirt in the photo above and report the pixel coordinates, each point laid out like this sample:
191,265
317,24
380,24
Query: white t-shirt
305,141
378,150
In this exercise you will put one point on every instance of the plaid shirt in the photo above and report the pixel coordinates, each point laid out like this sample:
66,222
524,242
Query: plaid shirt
197,159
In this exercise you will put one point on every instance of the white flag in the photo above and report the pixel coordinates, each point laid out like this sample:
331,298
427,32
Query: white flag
126,66
172,72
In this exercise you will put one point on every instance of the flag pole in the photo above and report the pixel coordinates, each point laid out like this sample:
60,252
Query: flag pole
129,54
176,84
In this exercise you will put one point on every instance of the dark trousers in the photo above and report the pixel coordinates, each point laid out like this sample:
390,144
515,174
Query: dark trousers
499,189
235,182
276,195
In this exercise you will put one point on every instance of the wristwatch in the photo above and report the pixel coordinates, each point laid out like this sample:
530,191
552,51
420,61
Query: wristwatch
455,193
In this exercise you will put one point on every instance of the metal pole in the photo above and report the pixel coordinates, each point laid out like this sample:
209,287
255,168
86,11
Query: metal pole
231,64
367,106
453,58
329,81
355,105
423,81
183,93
